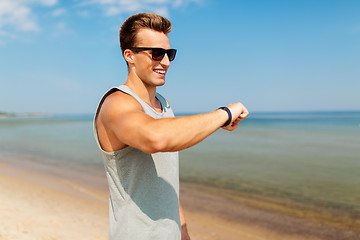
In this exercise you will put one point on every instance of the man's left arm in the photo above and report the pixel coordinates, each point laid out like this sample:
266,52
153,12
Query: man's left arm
184,231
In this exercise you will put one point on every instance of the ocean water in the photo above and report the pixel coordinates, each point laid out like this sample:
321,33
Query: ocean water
310,159
307,158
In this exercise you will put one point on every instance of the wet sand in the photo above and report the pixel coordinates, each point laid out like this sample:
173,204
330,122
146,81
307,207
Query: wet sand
42,201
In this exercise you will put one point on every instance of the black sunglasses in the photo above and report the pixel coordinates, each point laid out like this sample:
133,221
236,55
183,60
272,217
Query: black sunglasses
157,53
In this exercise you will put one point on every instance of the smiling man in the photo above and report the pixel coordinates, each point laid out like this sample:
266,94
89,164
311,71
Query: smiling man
139,137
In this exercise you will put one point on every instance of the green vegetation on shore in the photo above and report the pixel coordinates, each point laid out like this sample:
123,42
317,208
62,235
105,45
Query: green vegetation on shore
4,114
22,115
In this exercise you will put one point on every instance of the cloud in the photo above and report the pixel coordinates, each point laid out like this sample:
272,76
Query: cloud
58,12
6,35
118,7
18,15
60,29
84,13
164,11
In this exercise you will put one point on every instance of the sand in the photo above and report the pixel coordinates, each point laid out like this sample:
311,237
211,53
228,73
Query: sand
36,203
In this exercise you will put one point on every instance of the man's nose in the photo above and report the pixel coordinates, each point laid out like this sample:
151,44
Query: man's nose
165,61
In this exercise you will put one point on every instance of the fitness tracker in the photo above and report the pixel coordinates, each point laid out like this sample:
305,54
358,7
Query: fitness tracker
230,116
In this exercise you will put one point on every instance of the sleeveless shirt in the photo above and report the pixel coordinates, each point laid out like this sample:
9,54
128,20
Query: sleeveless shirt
144,188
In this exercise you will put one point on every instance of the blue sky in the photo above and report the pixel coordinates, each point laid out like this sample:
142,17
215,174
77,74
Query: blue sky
302,55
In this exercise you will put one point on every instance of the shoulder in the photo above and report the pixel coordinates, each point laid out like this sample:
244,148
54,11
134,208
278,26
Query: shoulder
118,103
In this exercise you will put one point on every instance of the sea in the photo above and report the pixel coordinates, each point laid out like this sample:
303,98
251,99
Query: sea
307,159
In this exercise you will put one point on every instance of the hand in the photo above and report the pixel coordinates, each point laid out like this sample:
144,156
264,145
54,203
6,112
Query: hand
184,233
239,113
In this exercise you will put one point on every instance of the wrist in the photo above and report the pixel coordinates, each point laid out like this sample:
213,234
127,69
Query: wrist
227,110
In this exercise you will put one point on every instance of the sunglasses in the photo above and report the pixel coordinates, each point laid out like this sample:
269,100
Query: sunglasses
157,53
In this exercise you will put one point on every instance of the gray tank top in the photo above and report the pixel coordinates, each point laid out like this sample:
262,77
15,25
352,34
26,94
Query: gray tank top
144,188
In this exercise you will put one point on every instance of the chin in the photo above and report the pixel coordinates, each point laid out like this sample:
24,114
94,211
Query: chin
159,82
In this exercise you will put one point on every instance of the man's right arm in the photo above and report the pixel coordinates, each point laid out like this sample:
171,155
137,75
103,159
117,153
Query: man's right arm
124,117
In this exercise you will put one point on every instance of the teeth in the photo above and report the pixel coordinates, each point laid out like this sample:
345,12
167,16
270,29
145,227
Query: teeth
160,71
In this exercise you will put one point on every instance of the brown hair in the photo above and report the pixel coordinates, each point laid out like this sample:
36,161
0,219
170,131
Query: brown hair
139,21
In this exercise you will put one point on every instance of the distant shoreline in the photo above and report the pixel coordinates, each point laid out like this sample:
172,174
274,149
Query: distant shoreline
23,115
180,113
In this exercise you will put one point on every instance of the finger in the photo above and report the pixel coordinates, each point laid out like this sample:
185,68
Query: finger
234,127
237,120
244,115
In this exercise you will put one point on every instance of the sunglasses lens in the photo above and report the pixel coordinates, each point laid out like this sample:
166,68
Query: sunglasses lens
171,54
158,54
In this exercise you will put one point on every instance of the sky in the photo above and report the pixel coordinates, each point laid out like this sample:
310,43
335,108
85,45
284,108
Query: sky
61,56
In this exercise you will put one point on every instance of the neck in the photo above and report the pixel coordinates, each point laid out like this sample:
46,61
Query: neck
145,92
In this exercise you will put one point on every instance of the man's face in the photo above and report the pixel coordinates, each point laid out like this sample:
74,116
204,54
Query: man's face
151,72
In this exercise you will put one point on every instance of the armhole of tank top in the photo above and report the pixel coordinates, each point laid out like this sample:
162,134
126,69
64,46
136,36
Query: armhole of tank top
111,91
164,103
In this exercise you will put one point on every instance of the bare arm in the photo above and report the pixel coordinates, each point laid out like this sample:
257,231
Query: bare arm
184,231
125,118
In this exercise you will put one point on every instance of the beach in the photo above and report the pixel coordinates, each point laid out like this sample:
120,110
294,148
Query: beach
35,205
33,210
65,202
40,205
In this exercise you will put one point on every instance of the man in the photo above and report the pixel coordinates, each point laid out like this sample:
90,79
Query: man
140,137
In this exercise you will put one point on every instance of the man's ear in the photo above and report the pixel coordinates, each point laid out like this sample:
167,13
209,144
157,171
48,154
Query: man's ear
129,56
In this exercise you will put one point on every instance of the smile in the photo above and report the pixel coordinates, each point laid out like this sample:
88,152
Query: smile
160,71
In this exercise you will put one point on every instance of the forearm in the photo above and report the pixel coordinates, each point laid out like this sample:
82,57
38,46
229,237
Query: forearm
179,133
